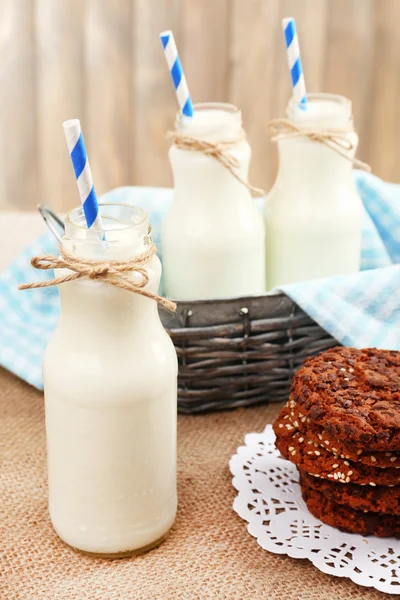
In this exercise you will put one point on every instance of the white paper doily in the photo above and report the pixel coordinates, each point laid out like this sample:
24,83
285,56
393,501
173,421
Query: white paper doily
269,499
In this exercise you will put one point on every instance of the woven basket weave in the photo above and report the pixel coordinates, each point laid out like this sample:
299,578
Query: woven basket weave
240,351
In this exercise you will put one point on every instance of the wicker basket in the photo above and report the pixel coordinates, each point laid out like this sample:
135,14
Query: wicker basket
240,351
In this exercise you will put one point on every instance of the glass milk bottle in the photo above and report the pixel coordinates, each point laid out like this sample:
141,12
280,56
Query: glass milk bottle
213,235
110,383
313,213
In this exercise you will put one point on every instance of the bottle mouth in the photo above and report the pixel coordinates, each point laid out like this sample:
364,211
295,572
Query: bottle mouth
115,216
211,119
125,230
223,106
322,111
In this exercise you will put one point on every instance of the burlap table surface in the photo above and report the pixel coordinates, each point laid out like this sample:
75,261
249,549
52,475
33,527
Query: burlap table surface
209,553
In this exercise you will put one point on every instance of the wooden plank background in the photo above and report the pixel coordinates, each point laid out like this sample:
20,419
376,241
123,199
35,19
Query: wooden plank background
101,61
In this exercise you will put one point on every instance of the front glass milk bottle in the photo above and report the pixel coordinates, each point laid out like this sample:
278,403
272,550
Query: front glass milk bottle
213,235
110,383
313,213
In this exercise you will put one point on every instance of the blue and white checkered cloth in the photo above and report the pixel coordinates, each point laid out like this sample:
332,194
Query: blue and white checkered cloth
358,310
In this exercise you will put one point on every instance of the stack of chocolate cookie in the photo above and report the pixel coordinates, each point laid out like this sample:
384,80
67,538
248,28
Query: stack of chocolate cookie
341,427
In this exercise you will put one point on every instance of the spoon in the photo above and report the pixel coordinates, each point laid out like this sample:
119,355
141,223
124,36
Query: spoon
53,222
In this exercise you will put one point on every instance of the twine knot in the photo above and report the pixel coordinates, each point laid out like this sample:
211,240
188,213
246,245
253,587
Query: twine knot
334,138
218,150
99,271
115,272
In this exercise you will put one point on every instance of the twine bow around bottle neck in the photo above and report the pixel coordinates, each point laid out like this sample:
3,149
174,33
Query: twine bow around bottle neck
218,150
334,138
115,272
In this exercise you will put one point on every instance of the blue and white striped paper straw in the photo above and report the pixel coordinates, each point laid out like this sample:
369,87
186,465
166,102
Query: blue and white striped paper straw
294,61
177,74
83,174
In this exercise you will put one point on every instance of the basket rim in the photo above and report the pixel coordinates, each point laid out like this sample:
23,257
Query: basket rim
227,299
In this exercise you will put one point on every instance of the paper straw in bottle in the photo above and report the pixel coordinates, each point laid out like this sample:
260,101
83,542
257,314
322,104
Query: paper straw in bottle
83,174
177,74
294,61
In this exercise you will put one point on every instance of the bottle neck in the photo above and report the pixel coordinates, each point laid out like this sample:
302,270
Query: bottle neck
91,305
306,165
312,168
202,180
93,309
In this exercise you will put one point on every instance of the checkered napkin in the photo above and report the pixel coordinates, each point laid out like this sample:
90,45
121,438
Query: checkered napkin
358,310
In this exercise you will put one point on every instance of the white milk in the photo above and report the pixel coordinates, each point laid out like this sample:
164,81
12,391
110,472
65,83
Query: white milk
110,379
313,212
213,236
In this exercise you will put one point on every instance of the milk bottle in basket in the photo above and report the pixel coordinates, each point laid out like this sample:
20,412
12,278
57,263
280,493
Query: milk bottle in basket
213,235
313,213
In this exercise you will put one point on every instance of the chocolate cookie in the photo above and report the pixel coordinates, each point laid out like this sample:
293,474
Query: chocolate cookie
378,499
344,450
347,519
316,460
354,395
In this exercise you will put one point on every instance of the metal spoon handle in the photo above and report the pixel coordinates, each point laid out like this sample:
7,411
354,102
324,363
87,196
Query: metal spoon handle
53,222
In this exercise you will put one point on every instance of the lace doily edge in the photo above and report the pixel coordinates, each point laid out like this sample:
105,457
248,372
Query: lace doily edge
235,466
